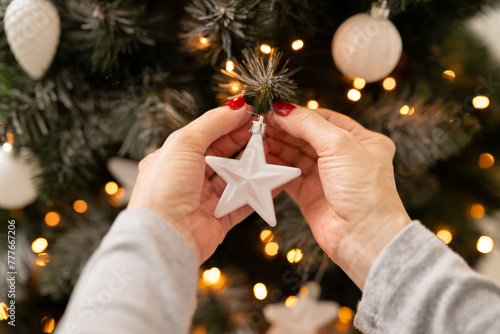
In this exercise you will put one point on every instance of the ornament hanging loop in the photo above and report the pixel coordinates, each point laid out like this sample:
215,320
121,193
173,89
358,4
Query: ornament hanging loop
258,127
380,10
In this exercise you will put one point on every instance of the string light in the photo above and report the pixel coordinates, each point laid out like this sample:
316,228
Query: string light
486,160
266,236
39,245
297,44
294,255
484,244
266,49
211,276
345,314
291,301
271,249
48,324
311,104
389,83
52,219
111,188
481,102
445,236
229,66
203,40
260,291
80,206
235,86
200,330
406,110
120,193
4,311
359,83
449,74
42,259
354,95
477,211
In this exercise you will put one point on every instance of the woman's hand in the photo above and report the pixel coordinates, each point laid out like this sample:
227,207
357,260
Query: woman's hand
174,183
347,191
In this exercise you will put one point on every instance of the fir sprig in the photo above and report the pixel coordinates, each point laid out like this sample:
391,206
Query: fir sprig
261,77
218,21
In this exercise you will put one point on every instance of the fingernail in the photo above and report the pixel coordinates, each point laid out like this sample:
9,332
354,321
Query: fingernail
283,108
236,103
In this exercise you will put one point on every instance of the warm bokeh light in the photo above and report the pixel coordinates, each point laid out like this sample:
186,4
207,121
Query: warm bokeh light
211,276
481,102
111,188
354,95
235,86
4,311
477,211
199,330
294,255
39,245
449,74
42,259
266,236
444,235
260,291
484,244
80,206
291,301
389,83
264,48
52,219
120,193
297,44
48,324
359,83
312,104
203,40
345,314
486,160
271,248
229,66
406,110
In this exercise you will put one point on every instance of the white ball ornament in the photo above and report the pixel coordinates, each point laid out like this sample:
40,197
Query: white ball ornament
17,188
33,28
367,46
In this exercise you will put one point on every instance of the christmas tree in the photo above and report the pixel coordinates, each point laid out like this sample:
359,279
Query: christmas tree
90,87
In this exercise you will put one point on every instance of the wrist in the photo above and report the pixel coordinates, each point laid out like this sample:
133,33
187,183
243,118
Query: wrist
360,248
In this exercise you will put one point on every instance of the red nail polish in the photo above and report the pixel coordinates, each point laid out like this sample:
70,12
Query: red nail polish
236,103
283,108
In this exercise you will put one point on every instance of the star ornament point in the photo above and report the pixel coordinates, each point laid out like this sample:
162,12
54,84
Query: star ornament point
250,180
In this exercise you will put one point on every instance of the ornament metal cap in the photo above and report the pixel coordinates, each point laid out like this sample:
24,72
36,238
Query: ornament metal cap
380,10
258,127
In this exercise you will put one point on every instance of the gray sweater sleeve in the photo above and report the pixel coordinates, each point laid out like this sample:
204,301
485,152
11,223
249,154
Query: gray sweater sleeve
141,279
419,285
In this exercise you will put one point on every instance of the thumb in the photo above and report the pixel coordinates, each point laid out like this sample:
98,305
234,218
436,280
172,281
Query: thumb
325,137
215,123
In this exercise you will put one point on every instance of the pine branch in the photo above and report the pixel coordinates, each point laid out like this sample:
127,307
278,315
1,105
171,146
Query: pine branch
101,31
260,77
219,22
69,254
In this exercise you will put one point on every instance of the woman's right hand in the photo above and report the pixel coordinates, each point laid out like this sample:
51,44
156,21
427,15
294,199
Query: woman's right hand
347,191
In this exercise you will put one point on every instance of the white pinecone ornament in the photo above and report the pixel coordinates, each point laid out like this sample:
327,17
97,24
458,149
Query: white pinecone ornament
33,28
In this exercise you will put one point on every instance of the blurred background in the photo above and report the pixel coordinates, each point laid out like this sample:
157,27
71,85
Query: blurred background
90,87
